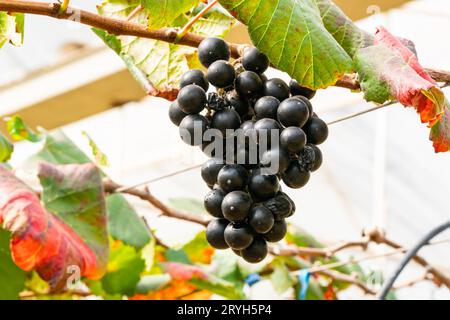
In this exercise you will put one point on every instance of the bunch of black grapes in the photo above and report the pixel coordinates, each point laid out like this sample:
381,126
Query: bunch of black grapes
246,197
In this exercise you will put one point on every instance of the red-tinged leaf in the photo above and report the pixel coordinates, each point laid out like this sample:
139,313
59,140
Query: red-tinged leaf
440,132
389,70
179,271
41,240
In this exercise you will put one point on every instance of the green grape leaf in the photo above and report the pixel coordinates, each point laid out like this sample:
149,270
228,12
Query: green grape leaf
11,28
6,148
188,205
280,277
164,12
293,36
124,269
157,65
124,223
12,277
225,265
198,249
20,131
100,158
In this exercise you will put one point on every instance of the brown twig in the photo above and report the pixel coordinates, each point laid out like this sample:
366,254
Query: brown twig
191,22
134,12
146,195
122,27
339,276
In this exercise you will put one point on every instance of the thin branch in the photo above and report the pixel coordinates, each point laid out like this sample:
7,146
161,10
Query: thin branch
133,13
339,276
145,194
189,25
122,27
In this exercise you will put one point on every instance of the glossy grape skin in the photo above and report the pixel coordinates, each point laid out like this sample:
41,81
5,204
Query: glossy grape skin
293,139
263,187
176,115
213,202
316,131
221,74
261,219
249,85
194,76
213,49
236,206
276,88
192,129
308,104
318,158
256,252
215,233
192,99
276,160
238,236
254,60
278,231
239,105
293,112
297,89
226,119
210,169
266,107
232,177
294,177
265,128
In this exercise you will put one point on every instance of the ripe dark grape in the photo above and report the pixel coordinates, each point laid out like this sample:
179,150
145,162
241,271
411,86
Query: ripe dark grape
249,85
294,177
293,139
276,88
266,107
194,76
213,49
232,177
192,99
192,129
262,131
297,89
280,206
266,129
213,202
318,158
278,231
276,160
254,60
293,112
210,170
316,130
221,74
239,105
256,252
215,233
176,115
263,187
226,119
236,205
261,219
238,236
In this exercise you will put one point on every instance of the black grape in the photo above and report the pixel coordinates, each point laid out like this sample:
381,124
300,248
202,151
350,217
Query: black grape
256,252
192,99
213,202
221,74
232,177
215,233
226,119
194,76
261,186
176,115
213,49
293,112
278,231
294,177
254,60
238,236
236,205
316,131
261,219
249,85
293,139
210,170
192,129
297,89
266,107
276,88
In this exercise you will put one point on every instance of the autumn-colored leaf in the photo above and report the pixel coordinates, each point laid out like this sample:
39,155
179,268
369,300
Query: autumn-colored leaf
179,271
440,132
41,240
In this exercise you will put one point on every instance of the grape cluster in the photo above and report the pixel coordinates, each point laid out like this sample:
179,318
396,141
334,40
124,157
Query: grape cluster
279,134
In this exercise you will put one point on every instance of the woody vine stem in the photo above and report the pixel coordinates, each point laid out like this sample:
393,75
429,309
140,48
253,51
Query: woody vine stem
62,10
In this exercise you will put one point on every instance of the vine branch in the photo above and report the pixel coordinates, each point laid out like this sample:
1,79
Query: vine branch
128,28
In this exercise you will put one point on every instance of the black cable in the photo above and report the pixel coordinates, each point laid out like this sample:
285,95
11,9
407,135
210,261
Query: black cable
408,256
